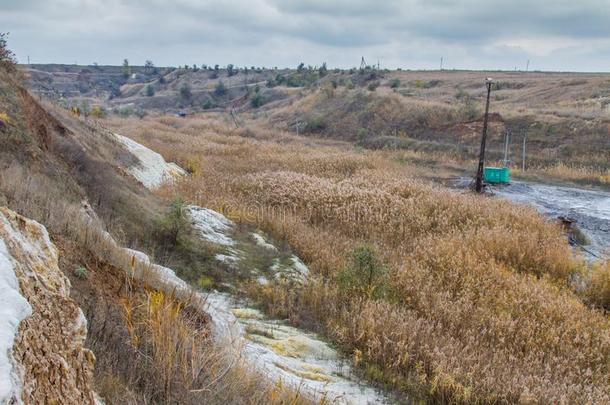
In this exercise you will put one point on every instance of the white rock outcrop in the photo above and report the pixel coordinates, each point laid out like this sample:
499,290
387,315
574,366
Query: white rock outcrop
153,170
47,360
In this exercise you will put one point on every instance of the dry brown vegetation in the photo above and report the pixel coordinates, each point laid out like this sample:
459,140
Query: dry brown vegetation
478,308
152,346
439,115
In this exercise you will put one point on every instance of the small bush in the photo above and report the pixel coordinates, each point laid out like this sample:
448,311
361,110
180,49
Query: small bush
220,89
395,83
125,112
257,98
208,104
150,90
81,273
169,227
98,112
185,92
364,275
205,282
373,85
316,123
461,94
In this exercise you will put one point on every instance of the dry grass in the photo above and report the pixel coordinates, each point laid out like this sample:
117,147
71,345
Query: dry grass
577,173
173,343
479,308
599,288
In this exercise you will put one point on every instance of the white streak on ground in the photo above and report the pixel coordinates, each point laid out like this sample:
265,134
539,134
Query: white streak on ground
283,353
261,241
211,225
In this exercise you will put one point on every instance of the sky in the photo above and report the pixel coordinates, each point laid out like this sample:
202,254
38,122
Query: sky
560,35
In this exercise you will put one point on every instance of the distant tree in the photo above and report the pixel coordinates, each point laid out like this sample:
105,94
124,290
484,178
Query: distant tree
280,79
220,89
7,57
216,68
161,79
322,70
231,70
150,90
149,67
301,67
126,69
185,92
195,68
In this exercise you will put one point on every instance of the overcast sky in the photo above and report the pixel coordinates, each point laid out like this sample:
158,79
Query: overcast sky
411,34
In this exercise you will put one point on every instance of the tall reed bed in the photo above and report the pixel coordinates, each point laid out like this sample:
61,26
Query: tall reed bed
479,306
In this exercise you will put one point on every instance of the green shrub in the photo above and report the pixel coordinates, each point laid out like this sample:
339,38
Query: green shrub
316,123
205,282
395,83
169,227
257,99
150,90
126,111
220,89
364,274
373,85
98,112
81,272
208,104
185,92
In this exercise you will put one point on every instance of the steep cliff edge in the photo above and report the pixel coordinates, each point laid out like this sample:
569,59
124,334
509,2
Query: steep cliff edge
49,363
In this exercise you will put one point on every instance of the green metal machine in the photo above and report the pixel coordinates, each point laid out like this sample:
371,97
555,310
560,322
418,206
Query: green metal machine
497,175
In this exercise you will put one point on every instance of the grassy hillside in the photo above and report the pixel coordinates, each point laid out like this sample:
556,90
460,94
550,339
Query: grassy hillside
150,345
564,117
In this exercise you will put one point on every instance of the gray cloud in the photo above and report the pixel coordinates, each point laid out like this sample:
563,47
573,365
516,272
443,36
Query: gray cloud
477,34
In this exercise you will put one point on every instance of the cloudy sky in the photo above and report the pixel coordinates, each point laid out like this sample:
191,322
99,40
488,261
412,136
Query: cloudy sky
412,34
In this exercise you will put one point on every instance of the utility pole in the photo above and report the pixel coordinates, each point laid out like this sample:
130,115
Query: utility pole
362,64
441,63
479,180
527,66
523,156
